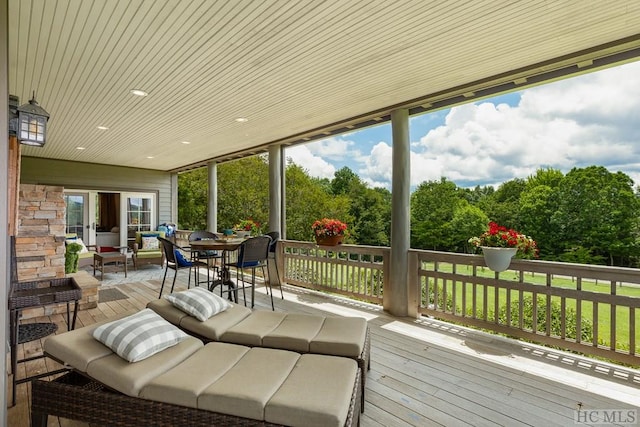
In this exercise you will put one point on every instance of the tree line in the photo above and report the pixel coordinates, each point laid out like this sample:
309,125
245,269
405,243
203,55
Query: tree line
588,216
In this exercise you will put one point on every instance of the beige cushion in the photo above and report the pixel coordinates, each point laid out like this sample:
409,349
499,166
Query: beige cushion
182,384
165,309
340,336
213,328
316,393
76,348
130,378
247,387
251,330
294,332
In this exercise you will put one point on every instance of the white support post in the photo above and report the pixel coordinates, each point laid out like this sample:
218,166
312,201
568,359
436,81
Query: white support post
396,297
212,206
275,188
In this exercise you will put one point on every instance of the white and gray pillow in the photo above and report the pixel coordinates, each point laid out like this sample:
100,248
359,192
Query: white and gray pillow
198,303
139,336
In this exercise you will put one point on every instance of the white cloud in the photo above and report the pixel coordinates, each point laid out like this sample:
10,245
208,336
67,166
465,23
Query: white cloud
302,156
574,123
334,148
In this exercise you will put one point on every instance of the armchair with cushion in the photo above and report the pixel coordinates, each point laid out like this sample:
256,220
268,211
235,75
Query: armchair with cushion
147,249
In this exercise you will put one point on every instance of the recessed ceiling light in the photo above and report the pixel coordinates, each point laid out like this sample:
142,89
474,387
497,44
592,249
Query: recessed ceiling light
242,120
103,128
186,142
138,92
80,148
149,157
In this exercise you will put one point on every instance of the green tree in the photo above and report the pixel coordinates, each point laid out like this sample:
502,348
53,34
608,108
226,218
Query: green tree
432,206
537,205
503,206
368,208
308,200
598,210
243,191
192,199
467,221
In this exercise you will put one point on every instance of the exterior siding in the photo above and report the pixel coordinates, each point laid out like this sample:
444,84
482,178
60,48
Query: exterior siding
92,176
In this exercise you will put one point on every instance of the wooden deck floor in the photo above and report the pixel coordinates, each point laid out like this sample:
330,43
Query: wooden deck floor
424,373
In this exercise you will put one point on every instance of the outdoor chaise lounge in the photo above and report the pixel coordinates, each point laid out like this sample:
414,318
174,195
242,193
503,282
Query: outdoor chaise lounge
335,336
190,383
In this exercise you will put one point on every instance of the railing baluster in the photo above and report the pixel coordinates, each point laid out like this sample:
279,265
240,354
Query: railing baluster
612,319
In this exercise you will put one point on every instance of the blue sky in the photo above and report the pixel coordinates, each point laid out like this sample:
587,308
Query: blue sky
592,119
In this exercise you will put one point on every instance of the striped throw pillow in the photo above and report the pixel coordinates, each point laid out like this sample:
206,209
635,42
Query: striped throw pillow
139,336
198,303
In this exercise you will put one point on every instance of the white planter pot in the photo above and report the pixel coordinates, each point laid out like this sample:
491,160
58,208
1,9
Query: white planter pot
498,259
243,234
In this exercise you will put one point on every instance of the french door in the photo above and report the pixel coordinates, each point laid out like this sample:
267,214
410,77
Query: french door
138,212
77,215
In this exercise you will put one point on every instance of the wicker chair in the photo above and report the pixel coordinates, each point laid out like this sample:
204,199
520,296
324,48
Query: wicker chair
252,254
175,261
208,256
147,256
275,236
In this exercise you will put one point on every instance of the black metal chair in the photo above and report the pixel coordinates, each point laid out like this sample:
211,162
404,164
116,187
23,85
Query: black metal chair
252,254
208,256
275,236
175,260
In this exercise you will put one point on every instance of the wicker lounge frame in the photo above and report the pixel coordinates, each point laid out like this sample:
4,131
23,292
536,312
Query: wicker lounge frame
77,397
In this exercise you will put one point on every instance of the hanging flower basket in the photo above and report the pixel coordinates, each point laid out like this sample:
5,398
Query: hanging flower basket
498,259
329,232
329,240
499,244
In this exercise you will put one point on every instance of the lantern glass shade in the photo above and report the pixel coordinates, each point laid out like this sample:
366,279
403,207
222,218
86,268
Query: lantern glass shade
32,129
32,124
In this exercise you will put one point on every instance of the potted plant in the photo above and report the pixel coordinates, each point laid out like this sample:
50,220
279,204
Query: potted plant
247,227
499,244
71,257
329,232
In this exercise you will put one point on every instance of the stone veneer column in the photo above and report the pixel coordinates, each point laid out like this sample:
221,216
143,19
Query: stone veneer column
41,227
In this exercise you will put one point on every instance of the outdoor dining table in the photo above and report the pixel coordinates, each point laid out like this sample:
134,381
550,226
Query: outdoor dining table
226,246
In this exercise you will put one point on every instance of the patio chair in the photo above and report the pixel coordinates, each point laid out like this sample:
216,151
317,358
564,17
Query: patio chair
146,250
275,236
252,254
211,257
175,260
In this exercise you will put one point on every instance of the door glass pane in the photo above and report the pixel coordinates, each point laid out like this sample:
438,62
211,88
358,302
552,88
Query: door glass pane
74,214
138,215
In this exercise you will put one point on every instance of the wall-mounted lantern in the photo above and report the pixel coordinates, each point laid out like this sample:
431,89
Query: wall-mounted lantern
31,124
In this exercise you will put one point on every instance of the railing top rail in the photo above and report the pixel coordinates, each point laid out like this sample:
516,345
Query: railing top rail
360,249
590,271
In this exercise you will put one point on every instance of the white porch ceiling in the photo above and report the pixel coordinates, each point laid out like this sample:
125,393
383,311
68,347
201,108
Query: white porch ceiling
293,68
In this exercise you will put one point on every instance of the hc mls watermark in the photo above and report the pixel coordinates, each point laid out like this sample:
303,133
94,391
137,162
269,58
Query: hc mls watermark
606,416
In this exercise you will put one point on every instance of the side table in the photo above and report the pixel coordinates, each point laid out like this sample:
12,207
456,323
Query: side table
102,259
38,293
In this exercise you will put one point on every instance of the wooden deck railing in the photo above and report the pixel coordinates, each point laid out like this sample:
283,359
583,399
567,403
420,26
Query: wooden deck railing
586,308
355,271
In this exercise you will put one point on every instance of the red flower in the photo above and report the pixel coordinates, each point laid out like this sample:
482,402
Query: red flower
498,236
